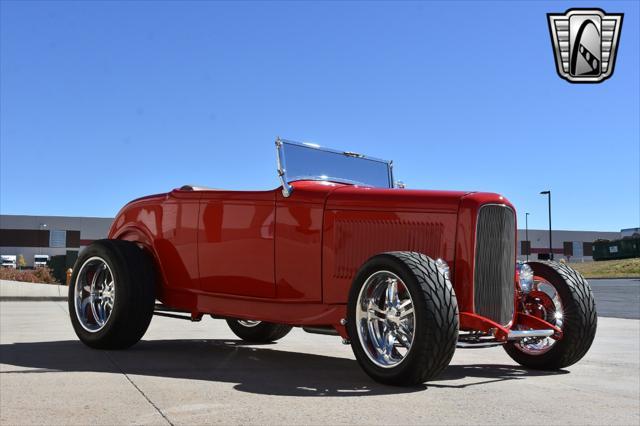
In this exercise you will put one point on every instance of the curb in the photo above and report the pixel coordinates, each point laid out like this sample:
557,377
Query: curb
21,291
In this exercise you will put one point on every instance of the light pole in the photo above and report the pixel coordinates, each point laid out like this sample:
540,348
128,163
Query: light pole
548,194
526,233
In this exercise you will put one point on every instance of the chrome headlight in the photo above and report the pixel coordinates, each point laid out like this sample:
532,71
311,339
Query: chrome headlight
443,267
525,277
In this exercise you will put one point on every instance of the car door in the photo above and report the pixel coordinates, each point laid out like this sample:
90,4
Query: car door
299,220
236,243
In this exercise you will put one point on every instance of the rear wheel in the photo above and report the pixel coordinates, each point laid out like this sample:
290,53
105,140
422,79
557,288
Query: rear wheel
402,318
111,294
258,331
562,297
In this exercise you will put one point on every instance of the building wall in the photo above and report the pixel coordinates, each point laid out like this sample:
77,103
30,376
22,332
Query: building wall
539,239
31,235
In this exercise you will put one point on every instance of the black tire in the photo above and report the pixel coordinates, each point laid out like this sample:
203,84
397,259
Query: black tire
262,332
579,319
436,318
134,281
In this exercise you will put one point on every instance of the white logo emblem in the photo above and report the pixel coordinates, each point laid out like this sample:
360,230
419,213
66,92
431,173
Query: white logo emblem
585,42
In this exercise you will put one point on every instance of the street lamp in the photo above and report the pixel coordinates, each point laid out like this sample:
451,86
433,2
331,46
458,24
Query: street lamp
526,233
548,193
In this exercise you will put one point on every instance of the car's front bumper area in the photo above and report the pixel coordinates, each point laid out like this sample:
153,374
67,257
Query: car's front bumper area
485,332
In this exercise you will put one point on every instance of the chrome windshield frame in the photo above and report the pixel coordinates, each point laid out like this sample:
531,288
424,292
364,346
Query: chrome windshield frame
286,182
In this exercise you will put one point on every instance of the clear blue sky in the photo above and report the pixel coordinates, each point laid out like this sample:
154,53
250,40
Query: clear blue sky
104,102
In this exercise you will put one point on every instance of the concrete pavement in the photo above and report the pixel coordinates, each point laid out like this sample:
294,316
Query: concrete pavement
619,298
185,373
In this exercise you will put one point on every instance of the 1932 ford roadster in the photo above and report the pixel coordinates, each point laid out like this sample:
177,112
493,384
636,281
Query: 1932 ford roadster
404,275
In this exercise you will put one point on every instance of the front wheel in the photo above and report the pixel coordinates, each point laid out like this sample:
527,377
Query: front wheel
112,294
402,318
562,297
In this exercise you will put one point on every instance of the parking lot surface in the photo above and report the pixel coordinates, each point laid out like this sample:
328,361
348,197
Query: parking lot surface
618,298
186,373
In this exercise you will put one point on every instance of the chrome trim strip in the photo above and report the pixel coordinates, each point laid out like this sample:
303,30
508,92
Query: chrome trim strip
521,334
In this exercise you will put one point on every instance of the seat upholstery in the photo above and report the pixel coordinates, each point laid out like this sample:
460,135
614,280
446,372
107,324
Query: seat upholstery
195,188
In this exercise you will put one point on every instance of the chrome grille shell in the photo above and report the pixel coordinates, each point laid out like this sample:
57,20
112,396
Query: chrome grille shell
494,272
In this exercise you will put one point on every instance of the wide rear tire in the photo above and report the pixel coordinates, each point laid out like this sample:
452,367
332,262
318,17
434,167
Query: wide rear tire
112,294
404,334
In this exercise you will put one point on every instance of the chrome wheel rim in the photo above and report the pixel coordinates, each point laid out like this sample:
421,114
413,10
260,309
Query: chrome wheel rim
385,319
248,323
544,302
94,294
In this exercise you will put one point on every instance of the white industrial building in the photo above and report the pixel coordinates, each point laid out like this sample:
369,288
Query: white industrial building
50,235
572,246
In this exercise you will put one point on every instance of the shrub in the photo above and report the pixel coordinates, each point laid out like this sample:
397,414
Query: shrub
38,275
44,274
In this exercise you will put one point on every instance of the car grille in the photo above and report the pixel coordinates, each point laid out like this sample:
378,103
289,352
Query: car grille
495,263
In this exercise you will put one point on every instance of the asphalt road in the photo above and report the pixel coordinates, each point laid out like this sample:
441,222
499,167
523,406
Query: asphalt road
186,373
617,298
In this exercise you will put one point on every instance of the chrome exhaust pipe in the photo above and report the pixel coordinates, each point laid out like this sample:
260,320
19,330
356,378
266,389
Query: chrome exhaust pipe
521,334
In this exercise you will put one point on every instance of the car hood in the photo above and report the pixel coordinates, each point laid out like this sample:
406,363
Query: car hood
357,197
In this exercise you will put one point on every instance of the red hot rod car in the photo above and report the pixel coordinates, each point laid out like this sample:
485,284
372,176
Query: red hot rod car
404,276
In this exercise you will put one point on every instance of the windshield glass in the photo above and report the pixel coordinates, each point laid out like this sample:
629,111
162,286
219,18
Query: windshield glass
300,161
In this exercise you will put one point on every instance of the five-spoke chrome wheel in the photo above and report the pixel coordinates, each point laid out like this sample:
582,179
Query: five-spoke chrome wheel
385,319
94,294
545,303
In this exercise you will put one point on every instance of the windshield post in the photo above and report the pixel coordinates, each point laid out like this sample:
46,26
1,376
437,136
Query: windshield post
391,181
286,188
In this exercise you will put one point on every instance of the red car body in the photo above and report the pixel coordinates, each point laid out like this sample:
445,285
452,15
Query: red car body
259,255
